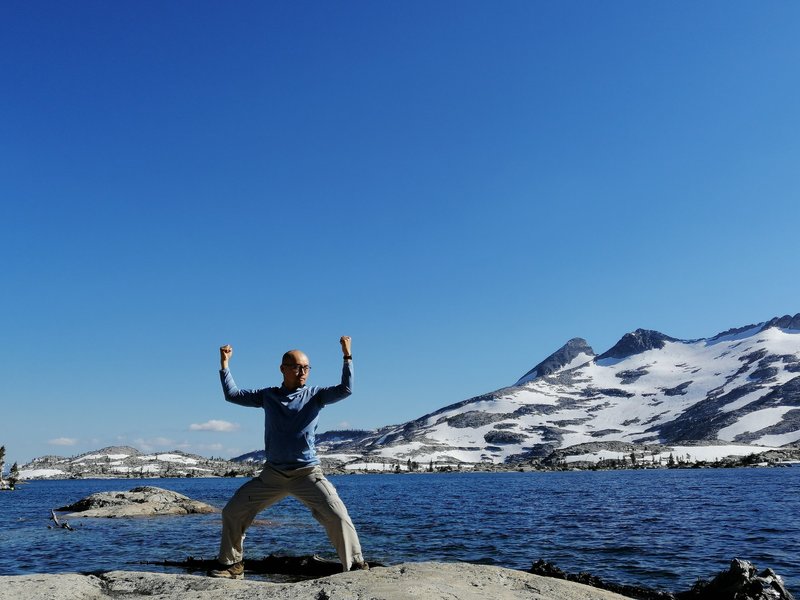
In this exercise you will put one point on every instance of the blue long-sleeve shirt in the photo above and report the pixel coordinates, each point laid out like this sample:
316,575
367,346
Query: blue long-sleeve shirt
290,417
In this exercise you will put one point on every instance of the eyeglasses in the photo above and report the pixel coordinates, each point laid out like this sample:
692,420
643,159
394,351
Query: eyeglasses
299,368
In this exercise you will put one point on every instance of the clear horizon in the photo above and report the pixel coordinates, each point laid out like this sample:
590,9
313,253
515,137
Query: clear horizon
460,187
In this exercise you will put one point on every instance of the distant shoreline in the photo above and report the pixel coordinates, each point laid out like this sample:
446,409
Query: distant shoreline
440,471
122,462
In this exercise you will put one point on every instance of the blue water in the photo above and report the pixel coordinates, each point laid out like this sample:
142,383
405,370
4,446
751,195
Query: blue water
660,528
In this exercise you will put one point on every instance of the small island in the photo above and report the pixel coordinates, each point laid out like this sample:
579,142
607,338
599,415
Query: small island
142,501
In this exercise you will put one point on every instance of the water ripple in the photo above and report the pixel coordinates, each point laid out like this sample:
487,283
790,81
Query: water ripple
657,528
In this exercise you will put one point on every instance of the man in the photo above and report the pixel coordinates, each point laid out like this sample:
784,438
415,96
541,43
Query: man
292,467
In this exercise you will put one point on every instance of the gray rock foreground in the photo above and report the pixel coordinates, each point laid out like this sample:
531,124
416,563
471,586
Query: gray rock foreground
426,580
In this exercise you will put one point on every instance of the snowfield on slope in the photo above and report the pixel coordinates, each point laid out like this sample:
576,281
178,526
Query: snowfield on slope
739,384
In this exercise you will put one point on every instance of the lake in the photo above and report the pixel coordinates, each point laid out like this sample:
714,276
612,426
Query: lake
659,528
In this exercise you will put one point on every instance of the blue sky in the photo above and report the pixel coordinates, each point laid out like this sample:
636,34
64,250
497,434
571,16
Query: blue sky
459,186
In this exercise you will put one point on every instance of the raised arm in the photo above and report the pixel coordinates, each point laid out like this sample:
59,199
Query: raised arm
229,388
335,393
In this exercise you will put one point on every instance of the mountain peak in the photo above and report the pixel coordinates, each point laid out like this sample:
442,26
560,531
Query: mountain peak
784,322
559,359
637,342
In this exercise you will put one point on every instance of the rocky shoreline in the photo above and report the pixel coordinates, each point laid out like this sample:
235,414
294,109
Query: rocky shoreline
741,581
429,580
124,462
773,459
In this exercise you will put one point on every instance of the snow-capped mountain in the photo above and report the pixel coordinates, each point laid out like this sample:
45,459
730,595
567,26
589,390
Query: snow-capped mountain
124,461
738,389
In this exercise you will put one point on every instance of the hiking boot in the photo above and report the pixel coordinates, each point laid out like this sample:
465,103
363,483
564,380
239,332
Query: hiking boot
234,571
360,566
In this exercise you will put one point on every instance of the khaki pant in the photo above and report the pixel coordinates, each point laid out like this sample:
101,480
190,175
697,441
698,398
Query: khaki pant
307,485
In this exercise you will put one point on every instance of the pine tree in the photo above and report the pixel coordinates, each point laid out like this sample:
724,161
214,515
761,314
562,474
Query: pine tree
13,476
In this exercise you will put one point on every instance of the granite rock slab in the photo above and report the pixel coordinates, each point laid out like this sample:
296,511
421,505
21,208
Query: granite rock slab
425,580
143,501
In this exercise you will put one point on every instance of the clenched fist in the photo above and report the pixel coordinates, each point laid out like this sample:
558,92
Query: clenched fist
225,353
345,342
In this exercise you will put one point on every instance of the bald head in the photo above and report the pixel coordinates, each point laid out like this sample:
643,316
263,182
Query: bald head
294,357
295,368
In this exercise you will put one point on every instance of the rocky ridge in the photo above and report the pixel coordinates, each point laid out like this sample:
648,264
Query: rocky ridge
125,461
572,354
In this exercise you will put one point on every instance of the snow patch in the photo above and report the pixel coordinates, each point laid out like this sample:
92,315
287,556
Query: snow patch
40,473
176,458
779,439
745,400
100,457
691,454
755,421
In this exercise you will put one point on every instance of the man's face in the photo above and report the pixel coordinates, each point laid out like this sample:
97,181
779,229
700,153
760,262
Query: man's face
295,369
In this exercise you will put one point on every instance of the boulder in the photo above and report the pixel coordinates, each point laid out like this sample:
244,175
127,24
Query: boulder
741,581
143,501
